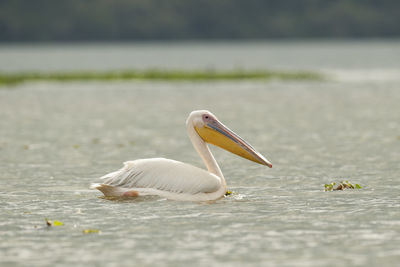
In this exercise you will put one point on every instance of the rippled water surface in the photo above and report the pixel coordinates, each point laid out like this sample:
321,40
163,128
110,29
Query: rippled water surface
57,138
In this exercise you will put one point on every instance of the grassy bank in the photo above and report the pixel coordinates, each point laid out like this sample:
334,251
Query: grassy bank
12,79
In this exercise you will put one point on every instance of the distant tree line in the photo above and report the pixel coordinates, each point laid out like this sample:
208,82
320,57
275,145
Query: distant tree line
62,20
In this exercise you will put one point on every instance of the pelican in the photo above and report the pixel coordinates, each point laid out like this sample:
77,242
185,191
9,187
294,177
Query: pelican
180,181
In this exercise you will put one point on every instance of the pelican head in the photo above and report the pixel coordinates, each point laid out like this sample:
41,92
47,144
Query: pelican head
212,131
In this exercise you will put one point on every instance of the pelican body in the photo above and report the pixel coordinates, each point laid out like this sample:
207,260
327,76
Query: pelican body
180,181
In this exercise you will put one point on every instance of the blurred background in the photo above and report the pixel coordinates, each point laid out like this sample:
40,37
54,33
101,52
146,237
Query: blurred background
345,38
103,20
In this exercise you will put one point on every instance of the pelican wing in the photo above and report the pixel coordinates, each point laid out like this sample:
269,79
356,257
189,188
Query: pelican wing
163,174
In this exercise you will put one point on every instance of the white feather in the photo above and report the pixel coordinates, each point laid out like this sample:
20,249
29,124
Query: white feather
161,174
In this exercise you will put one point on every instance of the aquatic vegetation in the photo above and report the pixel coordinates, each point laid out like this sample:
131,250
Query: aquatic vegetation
53,223
165,75
91,231
341,186
58,223
228,193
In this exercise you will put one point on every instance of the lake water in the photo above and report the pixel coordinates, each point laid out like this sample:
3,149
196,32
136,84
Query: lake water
57,138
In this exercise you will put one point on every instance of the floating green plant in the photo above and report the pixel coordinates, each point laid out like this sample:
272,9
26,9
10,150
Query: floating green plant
58,223
228,193
91,231
165,75
54,223
341,186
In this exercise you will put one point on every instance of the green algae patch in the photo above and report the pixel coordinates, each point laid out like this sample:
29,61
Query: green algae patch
341,186
164,75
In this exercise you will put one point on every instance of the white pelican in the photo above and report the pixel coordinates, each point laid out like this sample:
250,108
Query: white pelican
176,180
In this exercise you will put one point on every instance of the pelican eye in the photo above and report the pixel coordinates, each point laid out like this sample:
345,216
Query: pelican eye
206,117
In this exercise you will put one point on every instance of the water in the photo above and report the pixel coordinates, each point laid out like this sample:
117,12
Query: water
57,138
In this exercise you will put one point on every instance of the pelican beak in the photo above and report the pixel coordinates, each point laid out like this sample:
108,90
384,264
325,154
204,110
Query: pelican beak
219,135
